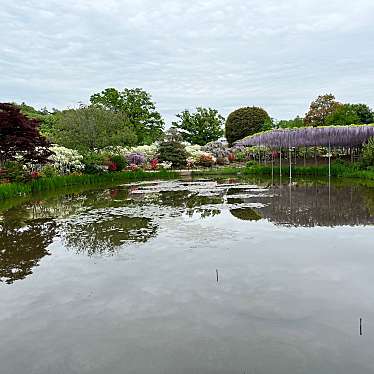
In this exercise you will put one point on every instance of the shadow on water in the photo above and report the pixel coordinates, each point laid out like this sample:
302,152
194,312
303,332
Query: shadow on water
103,222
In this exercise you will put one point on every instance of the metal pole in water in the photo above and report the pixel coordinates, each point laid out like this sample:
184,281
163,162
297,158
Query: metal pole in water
290,159
361,326
217,274
280,161
329,160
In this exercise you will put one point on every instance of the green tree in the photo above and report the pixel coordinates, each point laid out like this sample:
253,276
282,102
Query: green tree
319,109
365,114
139,108
91,127
244,122
172,150
343,115
47,120
201,127
292,123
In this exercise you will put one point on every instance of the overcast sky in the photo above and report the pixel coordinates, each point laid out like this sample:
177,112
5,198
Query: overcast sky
225,54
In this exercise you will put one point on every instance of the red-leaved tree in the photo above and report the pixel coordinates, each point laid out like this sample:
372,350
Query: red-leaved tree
20,137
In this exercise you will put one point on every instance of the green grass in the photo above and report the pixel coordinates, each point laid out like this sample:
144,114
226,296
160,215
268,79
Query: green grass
337,170
12,190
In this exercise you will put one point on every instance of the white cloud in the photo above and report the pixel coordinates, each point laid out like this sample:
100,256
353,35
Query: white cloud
277,54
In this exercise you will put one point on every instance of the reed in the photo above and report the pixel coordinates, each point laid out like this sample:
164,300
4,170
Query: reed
10,190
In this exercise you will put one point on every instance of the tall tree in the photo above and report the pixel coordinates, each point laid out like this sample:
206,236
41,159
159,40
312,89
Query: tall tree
91,127
20,137
201,127
141,111
343,115
319,109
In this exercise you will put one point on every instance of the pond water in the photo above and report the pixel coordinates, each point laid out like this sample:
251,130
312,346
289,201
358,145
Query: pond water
191,276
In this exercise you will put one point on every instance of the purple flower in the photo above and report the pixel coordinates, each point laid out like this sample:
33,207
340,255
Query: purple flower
136,158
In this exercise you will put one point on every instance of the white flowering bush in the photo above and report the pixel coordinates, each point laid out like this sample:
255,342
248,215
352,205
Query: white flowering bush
149,151
165,165
66,160
194,153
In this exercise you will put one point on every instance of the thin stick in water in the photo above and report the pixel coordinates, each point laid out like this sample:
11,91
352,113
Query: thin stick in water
217,274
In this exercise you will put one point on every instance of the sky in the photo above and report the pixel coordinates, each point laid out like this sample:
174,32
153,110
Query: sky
226,54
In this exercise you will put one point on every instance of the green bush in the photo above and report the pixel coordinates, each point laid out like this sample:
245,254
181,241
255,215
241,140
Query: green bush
93,162
172,150
368,154
49,171
15,172
244,122
120,162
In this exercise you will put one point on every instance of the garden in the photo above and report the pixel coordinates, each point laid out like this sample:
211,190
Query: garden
120,136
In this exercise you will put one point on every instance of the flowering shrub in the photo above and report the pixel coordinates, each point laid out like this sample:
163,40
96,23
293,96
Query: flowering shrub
207,160
154,164
66,160
119,161
35,175
134,167
148,151
217,149
231,157
112,166
136,158
165,165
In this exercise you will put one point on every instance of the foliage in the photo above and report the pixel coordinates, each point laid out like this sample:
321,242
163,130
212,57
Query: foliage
172,150
365,114
15,172
244,122
368,153
135,158
343,115
207,160
49,171
20,138
94,163
49,184
320,109
201,127
292,123
139,108
46,119
90,128
348,114
119,161
66,160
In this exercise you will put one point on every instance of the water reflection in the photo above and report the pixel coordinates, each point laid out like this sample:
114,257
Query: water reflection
103,222
22,248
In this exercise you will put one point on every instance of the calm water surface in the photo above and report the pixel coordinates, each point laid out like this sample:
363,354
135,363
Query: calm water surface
124,279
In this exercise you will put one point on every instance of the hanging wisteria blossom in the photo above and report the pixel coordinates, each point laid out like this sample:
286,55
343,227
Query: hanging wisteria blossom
341,136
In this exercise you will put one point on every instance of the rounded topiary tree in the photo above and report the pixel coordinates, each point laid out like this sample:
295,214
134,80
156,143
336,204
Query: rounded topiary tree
172,150
244,122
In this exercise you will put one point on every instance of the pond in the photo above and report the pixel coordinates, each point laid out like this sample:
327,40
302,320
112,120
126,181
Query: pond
190,276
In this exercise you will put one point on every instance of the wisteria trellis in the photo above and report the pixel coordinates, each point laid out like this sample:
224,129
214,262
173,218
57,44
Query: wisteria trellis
341,136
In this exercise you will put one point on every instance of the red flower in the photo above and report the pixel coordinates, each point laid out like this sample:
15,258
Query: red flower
112,166
154,164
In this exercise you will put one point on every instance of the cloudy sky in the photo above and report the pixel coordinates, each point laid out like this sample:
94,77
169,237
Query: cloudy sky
278,54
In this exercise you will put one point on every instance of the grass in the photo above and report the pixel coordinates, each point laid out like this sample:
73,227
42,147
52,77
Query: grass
337,170
12,190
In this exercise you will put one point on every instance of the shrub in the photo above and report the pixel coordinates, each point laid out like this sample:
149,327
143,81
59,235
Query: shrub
172,150
120,162
251,164
244,122
217,149
66,160
207,160
15,172
136,158
49,171
94,163
368,154
154,164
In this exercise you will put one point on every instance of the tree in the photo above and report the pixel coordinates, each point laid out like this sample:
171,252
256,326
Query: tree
46,119
201,127
343,115
138,106
91,127
244,122
365,114
172,150
20,137
319,109
292,123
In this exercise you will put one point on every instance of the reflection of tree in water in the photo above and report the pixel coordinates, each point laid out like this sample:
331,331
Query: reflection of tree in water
316,205
189,202
21,248
246,214
103,235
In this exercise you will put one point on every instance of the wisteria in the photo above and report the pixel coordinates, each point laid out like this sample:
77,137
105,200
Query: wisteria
342,136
